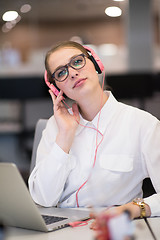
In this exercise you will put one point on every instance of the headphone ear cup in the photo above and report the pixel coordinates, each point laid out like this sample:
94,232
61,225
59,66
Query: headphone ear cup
47,81
97,67
54,84
95,59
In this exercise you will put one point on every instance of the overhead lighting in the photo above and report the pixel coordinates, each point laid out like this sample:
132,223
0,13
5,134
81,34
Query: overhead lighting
5,29
118,0
113,11
25,8
9,16
9,25
16,20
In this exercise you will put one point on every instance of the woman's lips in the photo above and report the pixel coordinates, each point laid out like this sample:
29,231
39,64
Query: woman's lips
79,82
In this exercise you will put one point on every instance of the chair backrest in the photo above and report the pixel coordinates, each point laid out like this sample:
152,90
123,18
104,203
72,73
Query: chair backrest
40,126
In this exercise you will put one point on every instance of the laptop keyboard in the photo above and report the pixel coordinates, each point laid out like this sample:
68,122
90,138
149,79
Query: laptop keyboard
52,219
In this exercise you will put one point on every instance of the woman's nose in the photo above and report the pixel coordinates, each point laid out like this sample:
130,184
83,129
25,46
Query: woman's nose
73,72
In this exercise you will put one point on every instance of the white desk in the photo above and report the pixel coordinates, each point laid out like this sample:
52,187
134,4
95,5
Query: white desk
141,232
77,233
155,226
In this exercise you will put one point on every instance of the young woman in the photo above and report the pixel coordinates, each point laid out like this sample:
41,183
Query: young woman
99,147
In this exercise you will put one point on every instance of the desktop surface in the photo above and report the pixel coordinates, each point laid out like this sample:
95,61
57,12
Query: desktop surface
141,232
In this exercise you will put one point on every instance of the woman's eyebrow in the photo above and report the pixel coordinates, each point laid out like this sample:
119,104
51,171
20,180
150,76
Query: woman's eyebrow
68,62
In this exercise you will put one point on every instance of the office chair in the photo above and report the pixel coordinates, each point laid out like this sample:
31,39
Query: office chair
41,124
148,188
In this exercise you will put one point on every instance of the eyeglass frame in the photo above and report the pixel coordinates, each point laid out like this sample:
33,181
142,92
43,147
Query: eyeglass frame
68,65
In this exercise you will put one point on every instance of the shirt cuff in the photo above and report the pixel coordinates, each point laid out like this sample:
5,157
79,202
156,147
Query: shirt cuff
154,204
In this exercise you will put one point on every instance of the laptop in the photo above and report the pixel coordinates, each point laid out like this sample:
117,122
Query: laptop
19,210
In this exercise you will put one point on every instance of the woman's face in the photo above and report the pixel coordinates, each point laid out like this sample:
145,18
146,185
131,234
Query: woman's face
79,81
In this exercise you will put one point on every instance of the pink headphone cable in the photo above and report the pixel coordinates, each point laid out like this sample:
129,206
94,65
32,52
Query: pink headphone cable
97,144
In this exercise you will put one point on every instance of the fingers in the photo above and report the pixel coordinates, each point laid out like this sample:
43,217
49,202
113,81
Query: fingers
52,95
56,99
93,215
93,225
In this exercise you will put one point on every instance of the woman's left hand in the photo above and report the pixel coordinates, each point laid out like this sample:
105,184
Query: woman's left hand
133,210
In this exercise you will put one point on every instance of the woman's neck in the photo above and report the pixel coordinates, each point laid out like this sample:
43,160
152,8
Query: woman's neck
91,106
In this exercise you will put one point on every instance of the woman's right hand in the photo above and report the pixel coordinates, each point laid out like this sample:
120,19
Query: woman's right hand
66,122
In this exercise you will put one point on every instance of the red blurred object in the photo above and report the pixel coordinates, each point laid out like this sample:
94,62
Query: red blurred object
102,228
113,226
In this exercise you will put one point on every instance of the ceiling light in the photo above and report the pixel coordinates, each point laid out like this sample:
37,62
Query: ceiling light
9,16
25,8
118,0
113,11
9,25
17,19
5,29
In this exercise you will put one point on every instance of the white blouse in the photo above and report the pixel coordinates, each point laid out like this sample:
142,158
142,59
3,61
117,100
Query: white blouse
128,153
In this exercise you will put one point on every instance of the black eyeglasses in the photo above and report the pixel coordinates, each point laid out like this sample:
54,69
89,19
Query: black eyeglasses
62,73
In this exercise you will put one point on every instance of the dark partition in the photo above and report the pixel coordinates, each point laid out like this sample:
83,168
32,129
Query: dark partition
131,85
23,87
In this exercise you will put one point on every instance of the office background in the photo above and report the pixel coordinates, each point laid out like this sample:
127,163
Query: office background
128,45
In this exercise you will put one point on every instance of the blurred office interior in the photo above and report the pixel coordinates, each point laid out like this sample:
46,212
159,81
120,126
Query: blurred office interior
128,45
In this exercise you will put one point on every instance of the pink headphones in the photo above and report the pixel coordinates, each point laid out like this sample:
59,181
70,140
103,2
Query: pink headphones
95,59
